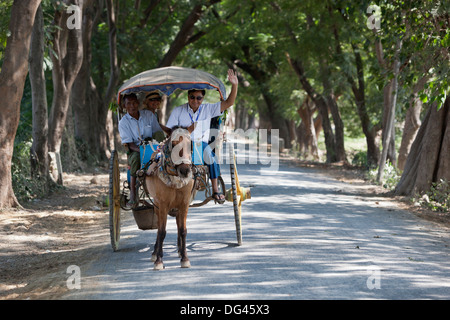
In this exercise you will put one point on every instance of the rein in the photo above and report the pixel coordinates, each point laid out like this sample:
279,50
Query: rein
166,161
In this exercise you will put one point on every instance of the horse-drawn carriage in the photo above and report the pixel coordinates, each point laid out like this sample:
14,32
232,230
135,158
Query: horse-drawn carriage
166,81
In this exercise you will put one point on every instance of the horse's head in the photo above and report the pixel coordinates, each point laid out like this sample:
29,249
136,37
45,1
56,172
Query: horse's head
181,154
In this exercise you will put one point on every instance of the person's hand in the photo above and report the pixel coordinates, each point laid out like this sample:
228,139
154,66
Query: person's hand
232,77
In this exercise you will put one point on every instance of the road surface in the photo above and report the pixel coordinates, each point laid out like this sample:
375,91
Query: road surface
305,236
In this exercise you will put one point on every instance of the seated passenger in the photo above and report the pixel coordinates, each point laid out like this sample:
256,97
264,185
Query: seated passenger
135,126
152,102
201,113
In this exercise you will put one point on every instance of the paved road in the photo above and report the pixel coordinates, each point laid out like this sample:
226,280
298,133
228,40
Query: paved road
305,236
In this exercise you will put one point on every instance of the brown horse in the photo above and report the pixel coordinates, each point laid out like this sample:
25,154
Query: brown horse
171,187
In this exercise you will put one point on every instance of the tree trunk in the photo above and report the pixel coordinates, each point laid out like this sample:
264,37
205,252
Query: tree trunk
184,35
39,148
429,158
373,151
338,127
12,80
84,112
412,125
412,122
93,119
358,88
69,154
68,47
292,132
306,132
276,120
321,104
105,140
388,92
330,100
388,129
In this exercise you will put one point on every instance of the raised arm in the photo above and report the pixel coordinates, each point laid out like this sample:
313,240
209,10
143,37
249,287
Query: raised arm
234,88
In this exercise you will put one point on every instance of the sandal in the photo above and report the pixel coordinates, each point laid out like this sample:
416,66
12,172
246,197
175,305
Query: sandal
217,199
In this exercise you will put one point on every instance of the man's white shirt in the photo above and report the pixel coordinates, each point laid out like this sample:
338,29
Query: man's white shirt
132,130
184,116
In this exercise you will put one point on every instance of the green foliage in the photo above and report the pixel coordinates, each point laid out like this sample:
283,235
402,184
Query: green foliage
360,159
259,34
391,176
5,12
25,187
114,107
437,198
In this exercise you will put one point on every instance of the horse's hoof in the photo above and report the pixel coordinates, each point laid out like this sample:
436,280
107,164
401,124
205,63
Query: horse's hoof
153,257
185,264
158,266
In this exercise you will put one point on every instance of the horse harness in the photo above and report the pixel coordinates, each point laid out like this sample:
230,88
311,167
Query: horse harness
166,171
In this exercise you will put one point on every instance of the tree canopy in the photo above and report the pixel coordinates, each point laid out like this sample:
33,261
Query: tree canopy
317,71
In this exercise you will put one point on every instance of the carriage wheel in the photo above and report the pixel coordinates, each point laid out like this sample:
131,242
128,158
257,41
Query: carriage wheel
221,185
114,200
236,196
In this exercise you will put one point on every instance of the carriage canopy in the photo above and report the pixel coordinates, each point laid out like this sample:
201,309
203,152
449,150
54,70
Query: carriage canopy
168,79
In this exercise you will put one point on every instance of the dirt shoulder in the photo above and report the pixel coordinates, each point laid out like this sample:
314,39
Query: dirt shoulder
40,241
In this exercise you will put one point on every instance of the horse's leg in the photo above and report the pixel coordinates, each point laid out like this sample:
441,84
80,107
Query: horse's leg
156,242
179,236
182,232
162,221
179,243
159,250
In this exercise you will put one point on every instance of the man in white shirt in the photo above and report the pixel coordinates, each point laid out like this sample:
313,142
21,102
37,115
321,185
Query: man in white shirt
134,127
201,113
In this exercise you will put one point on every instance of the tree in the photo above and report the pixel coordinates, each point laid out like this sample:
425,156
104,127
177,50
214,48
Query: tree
325,100
12,79
39,149
429,158
273,116
389,108
67,60
84,99
184,35
348,30
412,122
309,129
241,38
90,105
